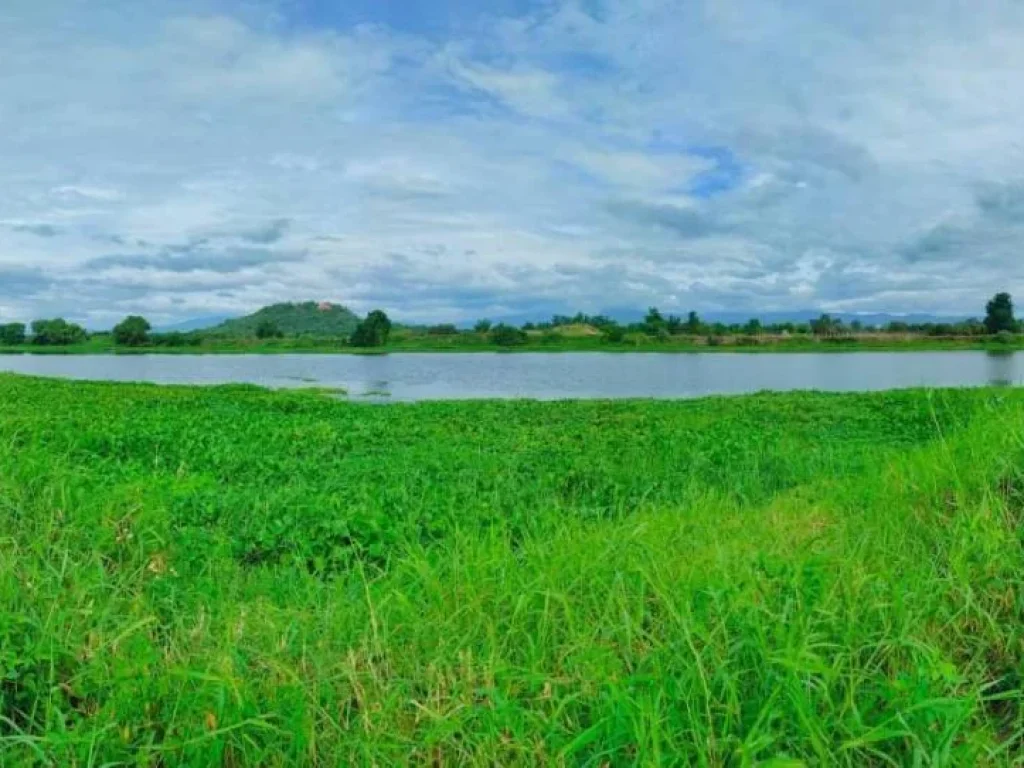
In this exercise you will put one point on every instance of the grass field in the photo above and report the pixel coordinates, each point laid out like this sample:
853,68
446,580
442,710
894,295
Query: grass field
237,577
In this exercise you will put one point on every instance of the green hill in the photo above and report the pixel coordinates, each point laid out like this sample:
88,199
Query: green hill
308,318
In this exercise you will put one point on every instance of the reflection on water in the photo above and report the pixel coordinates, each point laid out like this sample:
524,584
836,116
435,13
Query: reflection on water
547,375
1001,368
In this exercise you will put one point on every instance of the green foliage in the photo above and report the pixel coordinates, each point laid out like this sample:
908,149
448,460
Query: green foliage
693,325
614,334
654,322
12,334
826,325
175,339
133,331
508,336
999,314
780,579
309,318
57,332
373,331
268,329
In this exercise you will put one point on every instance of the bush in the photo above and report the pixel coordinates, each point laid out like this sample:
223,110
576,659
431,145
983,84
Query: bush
508,336
175,339
614,334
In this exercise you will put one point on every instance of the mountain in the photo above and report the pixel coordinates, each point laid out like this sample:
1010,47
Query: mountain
194,324
310,318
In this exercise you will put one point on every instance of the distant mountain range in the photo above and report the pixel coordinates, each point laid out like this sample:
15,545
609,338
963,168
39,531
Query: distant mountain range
195,324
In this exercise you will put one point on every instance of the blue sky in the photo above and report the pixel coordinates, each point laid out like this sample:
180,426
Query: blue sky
455,159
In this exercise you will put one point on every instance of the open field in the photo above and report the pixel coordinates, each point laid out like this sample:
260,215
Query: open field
233,576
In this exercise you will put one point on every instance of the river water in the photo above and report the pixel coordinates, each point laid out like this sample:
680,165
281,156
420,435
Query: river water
425,376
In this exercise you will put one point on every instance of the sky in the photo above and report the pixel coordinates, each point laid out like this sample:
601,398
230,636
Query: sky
447,160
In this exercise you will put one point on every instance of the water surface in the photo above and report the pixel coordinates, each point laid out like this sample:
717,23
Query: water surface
547,376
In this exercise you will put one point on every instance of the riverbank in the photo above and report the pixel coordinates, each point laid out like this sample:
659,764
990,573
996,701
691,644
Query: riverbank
680,345
809,577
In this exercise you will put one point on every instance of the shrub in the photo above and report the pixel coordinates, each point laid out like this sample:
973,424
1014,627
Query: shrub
508,336
614,334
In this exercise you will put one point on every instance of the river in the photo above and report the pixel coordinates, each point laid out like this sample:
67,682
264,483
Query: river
426,376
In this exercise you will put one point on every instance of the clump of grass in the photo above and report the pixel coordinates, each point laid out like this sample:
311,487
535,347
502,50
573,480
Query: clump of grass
827,579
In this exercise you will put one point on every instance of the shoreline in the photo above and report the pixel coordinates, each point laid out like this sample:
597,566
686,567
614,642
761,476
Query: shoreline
652,348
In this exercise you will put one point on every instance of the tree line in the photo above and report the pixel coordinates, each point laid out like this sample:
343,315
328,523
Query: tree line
375,329
999,319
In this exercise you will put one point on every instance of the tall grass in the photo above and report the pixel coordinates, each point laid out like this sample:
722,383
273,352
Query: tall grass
236,577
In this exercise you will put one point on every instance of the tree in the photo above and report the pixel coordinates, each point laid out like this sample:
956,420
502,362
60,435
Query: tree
654,316
133,331
826,325
654,322
57,332
373,331
507,335
693,324
999,314
268,329
12,334
482,326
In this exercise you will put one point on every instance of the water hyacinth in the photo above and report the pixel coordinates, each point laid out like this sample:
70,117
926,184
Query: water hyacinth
232,576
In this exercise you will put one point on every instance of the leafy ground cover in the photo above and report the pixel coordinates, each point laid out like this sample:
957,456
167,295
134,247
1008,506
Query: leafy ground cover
231,576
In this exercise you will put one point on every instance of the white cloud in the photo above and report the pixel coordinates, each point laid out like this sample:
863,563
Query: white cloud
743,154
79,192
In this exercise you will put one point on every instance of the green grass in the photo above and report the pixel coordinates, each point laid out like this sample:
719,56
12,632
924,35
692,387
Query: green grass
231,576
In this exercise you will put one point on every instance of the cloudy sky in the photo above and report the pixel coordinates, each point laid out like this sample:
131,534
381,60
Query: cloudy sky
453,159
